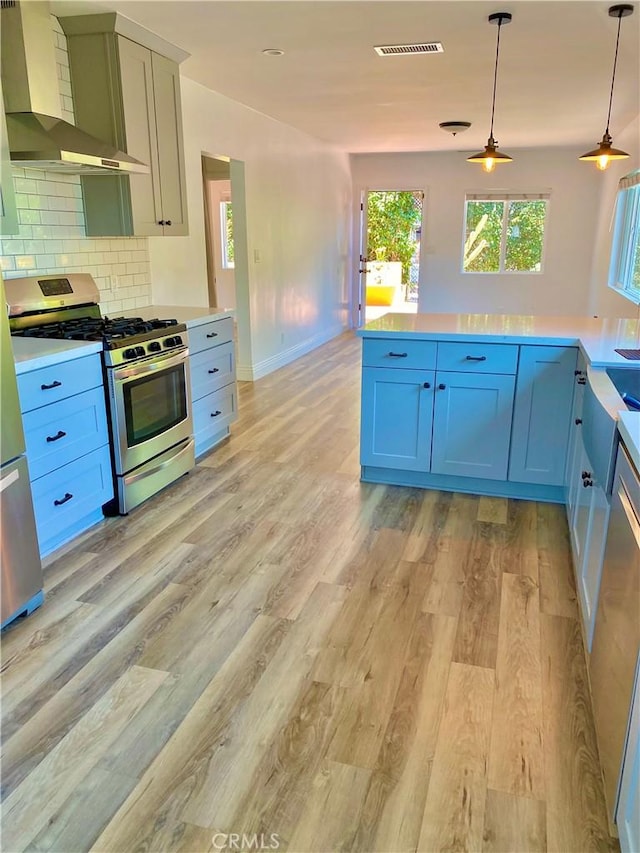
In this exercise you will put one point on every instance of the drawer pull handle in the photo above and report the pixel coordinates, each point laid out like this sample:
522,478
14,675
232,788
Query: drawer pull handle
60,434
577,373
476,358
578,421
397,355
54,384
426,385
215,414
212,334
582,381
442,386
215,370
63,500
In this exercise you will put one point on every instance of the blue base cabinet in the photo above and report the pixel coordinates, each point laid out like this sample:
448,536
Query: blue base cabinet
470,416
65,425
542,414
472,425
397,416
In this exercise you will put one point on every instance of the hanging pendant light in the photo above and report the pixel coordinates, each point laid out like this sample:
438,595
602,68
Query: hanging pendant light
604,153
491,156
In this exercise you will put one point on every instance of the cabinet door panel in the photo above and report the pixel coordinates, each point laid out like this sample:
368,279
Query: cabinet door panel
212,369
579,525
63,431
396,418
541,416
472,425
168,112
141,132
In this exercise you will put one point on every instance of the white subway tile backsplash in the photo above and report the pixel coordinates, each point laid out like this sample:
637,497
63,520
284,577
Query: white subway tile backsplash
29,217
25,262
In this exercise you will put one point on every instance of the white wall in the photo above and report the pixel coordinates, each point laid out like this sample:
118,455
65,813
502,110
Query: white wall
604,301
562,288
298,203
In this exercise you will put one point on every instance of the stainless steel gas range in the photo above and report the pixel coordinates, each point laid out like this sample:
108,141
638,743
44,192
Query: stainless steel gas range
146,378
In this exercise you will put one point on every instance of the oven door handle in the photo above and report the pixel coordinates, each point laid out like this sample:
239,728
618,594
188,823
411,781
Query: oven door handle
134,478
127,373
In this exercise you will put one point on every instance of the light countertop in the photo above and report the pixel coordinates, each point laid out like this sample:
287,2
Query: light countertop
191,316
34,353
598,338
629,429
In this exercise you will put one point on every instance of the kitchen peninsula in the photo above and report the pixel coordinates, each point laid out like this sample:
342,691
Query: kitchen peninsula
481,403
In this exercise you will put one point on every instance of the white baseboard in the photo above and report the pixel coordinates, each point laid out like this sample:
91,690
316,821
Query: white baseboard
249,373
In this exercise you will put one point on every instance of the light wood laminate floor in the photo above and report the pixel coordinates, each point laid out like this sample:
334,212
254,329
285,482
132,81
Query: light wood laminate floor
272,647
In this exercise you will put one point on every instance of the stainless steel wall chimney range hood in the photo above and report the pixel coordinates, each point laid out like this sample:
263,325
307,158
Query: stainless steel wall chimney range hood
38,137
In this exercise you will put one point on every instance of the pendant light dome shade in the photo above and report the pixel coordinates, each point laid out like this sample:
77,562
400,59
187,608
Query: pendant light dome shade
491,156
604,153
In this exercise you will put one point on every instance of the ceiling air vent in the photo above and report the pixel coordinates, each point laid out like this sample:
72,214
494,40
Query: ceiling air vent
404,49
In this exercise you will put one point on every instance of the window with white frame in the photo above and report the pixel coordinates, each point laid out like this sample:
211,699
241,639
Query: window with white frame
226,227
504,232
624,271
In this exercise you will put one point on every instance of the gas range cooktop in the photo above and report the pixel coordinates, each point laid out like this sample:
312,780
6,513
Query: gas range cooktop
66,308
113,332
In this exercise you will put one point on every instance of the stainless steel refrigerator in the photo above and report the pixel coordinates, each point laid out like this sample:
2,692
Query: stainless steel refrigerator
21,574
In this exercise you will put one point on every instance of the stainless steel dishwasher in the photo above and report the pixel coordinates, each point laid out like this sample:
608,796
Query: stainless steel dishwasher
616,639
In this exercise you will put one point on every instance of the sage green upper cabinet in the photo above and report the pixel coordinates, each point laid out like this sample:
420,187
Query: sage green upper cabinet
129,94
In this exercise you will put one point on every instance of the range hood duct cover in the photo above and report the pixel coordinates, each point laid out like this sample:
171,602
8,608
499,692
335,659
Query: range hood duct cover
38,137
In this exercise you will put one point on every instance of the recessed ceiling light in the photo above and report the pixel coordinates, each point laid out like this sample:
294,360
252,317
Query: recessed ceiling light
273,51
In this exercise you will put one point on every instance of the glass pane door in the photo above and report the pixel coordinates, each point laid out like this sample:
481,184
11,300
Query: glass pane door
154,403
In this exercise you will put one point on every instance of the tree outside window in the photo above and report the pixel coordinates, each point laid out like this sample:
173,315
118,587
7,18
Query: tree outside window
504,235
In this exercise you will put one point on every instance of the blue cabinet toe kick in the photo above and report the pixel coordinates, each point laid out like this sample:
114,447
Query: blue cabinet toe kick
26,609
468,485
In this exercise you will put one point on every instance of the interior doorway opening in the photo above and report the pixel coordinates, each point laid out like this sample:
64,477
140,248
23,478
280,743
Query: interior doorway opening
392,227
218,205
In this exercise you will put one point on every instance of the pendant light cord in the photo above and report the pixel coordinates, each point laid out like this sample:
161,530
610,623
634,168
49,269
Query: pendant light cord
613,76
495,80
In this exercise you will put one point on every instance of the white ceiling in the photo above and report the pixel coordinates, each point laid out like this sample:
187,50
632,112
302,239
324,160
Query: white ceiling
553,87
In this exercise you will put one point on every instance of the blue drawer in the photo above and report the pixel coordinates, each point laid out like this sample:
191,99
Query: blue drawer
210,335
70,499
50,384
59,433
213,413
478,357
212,369
387,352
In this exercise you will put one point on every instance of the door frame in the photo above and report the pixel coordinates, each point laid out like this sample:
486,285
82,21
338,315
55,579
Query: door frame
358,297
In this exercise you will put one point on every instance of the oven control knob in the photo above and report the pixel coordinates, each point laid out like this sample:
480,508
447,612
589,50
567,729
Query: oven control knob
129,353
140,351
177,341
173,342
154,346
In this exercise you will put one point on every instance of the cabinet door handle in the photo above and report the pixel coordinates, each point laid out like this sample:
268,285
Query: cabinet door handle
578,421
427,385
398,355
60,434
212,334
161,222
585,475
476,358
215,414
63,500
215,370
587,483
54,384
582,381
577,373
168,222
442,386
